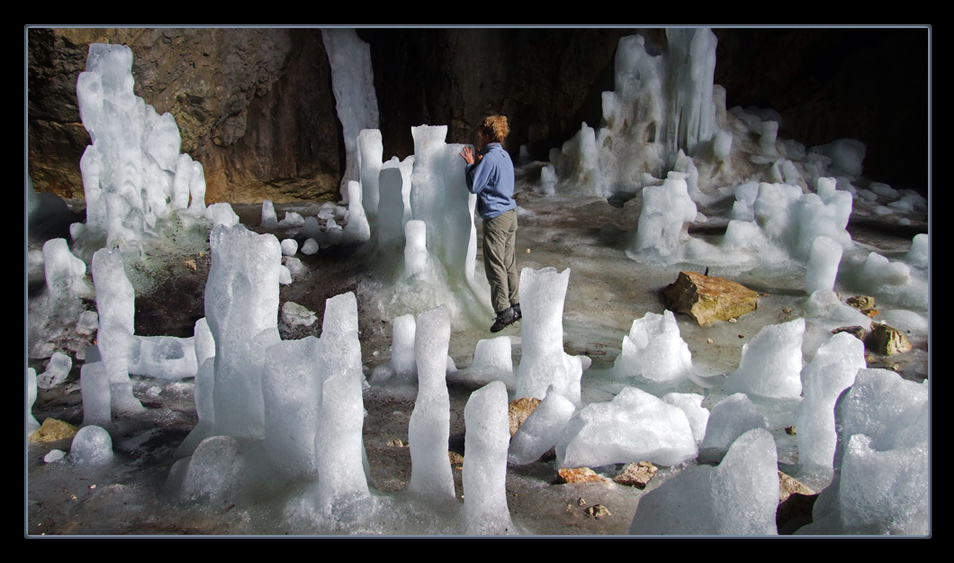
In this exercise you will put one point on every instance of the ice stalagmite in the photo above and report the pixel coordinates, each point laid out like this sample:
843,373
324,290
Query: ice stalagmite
291,394
370,151
352,80
339,446
544,362
429,428
485,463
241,306
115,302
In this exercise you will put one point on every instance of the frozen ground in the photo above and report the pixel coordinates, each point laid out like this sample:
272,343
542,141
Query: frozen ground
607,291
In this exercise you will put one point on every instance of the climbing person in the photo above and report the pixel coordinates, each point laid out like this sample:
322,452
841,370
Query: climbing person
489,175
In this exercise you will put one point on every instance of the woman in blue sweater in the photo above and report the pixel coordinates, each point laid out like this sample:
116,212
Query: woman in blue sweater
489,175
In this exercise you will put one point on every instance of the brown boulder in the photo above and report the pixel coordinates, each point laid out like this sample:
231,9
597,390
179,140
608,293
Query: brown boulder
53,430
637,474
579,475
886,340
519,410
708,299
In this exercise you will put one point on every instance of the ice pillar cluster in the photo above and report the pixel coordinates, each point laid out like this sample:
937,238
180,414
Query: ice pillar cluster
133,174
662,105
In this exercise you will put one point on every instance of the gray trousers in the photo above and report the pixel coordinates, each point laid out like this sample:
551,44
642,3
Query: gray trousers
500,262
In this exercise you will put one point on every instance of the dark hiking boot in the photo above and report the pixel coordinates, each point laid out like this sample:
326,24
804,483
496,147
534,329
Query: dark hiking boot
516,312
504,319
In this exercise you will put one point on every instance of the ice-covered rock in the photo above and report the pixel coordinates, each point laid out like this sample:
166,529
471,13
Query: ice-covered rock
635,426
295,314
739,497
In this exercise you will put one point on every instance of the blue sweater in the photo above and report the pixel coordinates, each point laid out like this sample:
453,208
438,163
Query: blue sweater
491,178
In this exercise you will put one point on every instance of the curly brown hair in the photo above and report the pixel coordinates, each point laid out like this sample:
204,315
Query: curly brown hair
495,127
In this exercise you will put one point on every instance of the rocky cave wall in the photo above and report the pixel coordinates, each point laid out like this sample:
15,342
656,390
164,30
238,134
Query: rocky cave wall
255,106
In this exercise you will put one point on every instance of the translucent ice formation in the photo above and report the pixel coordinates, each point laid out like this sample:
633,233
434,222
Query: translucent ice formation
541,430
91,446
737,498
544,363
771,362
94,383
370,154
429,429
290,387
730,418
32,424
57,369
401,369
661,104
883,470
53,314
353,83
133,174
241,306
691,404
485,465
654,350
829,373
635,426
339,446
663,221
115,302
